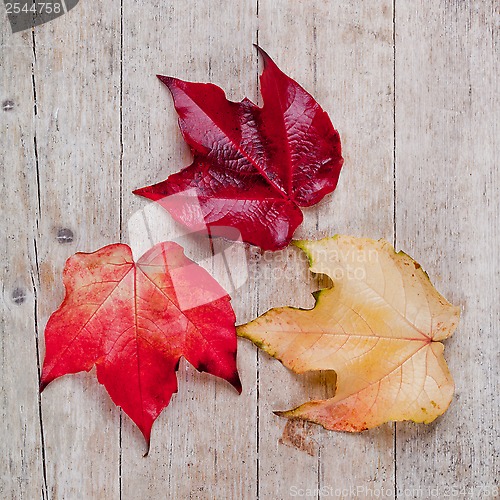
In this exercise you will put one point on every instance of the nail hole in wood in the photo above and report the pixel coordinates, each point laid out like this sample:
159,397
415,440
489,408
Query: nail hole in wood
8,105
64,235
18,296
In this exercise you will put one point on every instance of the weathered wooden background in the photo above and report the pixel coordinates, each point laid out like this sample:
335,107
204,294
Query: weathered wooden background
413,88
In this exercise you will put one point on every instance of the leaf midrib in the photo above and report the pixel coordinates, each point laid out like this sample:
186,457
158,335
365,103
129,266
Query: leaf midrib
282,194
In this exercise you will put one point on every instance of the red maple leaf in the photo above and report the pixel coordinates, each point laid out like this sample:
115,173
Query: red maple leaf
253,167
134,321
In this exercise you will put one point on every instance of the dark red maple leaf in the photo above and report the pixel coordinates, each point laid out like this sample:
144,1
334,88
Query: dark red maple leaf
134,321
253,167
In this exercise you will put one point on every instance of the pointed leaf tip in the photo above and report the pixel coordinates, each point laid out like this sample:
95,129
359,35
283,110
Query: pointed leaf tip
168,81
236,383
265,57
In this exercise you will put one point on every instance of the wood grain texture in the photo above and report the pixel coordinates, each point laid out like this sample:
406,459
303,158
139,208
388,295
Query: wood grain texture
412,88
342,53
447,158
21,471
76,79
208,432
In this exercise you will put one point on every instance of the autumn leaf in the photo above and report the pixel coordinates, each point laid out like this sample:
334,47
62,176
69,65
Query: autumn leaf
379,327
134,321
253,167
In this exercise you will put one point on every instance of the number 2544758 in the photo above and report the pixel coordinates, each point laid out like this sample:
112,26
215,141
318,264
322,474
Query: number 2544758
34,7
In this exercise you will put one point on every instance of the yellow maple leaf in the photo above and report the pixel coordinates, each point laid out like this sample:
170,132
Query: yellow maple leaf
379,327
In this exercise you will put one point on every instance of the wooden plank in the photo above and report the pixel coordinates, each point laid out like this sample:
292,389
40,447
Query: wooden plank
77,83
204,444
447,156
210,443
21,466
342,53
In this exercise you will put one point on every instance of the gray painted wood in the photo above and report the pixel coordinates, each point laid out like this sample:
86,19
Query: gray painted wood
414,93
